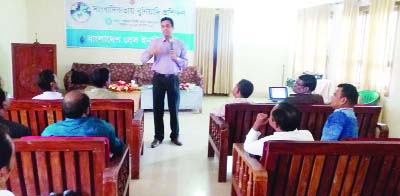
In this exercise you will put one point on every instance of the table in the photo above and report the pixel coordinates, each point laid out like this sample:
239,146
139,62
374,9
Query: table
134,95
190,99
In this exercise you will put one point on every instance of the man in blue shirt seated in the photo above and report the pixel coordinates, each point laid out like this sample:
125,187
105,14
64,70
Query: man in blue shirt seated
342,123
76,108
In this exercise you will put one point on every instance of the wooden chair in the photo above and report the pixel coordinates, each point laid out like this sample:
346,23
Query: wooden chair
223,133
38,114
239,118
318,168
44,165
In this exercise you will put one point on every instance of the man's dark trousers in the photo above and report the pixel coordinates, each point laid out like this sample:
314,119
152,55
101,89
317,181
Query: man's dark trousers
165,83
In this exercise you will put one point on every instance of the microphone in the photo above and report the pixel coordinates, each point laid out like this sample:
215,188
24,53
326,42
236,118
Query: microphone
171,44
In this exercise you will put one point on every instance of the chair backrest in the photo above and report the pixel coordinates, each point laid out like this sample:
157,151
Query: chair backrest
43,166
35,114
118,112
367,118
368,97
313,118
38,114
332,168
241,116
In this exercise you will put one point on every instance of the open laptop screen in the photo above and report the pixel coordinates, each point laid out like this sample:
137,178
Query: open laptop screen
278,93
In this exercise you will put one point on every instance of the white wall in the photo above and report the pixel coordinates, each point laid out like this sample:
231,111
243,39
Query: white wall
260,31
14,28
262,45
46,17
391,104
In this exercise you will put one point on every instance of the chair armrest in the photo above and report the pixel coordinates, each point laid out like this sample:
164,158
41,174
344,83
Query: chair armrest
248,175
218,121
117,175
218,133
382,130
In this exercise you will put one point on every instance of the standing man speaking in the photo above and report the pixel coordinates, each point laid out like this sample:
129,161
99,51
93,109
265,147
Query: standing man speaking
169,59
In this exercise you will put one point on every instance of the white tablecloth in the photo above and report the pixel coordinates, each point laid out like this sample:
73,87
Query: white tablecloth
190,99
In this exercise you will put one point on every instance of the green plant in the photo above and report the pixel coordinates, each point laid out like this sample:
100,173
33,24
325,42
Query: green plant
290,82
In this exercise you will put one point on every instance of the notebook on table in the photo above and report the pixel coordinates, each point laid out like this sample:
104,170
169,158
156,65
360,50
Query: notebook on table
278,93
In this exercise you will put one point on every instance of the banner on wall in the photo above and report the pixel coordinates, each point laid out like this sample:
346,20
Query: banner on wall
126,23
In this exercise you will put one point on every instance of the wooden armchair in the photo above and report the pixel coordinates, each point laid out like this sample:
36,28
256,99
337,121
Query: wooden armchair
239,118
44,165
318,168
38,114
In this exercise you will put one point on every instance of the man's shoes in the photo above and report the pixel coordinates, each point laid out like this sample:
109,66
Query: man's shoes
155,143
176,142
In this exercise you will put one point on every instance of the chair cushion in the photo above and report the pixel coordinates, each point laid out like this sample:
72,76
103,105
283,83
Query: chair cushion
88,68
143,74
122,71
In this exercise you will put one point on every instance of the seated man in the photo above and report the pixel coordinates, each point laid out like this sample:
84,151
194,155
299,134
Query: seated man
240,92
284,119
79,80
76,108
100,79
47,82
16,130
6,154
342,123
303,87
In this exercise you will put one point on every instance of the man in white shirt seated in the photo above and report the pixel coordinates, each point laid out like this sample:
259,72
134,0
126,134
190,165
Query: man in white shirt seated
241,92
47,82
284,119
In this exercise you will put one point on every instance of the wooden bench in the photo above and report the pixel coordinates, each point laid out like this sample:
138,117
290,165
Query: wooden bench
239,118
318,168
44,165
38,114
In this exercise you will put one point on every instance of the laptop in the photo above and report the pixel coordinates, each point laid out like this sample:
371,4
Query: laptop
277,94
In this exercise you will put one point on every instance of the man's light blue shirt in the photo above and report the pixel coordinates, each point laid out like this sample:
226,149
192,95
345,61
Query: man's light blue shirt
341,124
163,63
86,126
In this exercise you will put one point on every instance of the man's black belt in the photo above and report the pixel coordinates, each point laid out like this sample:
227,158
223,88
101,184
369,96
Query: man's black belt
164,75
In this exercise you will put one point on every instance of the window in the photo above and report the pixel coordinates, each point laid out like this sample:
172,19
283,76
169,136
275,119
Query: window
363,21
393,35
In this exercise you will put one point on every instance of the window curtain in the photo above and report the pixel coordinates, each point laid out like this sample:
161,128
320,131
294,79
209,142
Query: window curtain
223,75
204,44
311,40
375,60
344,60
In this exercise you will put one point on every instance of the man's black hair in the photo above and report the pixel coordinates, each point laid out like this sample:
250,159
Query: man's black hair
46,77
245,88
6,148
79,77
287,116
169,19
76,108
100,77
350,92
3,97
309,81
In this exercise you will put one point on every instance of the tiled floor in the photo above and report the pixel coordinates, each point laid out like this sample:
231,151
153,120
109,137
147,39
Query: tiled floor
169,170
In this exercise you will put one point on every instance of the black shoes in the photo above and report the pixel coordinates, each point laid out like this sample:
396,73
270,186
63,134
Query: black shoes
176,142
155,143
